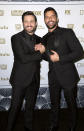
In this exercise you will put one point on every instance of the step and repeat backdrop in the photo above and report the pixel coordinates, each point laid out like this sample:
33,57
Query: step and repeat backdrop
71,15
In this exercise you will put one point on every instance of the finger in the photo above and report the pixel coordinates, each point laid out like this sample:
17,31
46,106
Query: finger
53,51
37,44
51,57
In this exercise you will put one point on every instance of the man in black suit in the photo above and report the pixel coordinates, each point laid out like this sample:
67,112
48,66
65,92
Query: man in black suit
25,76
62,50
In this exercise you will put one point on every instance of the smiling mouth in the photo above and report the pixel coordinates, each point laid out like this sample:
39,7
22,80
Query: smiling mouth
50,23
29,27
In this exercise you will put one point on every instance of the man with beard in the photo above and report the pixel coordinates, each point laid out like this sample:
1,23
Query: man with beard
62,50
25,76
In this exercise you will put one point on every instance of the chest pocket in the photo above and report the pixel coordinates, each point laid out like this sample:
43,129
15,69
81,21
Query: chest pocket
53,42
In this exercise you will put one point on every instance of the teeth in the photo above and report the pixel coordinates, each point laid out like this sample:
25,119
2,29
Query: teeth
29,27
50,22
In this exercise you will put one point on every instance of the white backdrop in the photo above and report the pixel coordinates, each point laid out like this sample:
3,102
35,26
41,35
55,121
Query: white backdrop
71,15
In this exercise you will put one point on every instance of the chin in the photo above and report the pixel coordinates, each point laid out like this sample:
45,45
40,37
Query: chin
29,31
50,27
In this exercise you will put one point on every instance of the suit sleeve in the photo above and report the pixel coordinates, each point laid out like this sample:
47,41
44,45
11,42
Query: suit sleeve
76,50
20,54
46,54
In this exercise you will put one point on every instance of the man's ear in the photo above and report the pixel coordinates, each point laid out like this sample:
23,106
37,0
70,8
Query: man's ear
57,20
36,24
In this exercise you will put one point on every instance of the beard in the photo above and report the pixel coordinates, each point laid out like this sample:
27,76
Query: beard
31,30
51,27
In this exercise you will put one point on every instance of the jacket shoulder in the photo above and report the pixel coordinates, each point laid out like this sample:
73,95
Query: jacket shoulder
66,29
45,35
16,35
67,32
38,37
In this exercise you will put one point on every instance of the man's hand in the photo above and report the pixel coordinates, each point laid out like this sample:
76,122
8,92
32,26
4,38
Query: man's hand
54,57
40,47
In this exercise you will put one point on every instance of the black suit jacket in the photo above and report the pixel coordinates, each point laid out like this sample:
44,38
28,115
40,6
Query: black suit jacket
26,60
66,44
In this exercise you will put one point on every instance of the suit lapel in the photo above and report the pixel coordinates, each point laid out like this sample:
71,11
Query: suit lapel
28,40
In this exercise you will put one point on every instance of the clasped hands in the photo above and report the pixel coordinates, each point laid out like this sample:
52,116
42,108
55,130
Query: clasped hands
54,57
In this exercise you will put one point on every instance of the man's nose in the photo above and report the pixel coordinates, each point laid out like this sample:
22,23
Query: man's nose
50,18
29,23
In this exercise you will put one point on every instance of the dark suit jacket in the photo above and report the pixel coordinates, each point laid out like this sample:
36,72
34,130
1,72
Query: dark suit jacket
26,60
66,44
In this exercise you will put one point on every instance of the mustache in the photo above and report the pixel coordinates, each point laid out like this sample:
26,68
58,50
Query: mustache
50,21
28,26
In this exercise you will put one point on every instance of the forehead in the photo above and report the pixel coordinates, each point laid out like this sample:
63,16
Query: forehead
29,17
48,13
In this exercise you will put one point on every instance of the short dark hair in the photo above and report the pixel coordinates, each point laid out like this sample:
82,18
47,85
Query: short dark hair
50,9
29,13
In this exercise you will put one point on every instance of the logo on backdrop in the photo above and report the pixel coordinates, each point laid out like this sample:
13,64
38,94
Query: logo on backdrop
82,76
4,54
18,27
1,12
4,78
42,78
3,67
81,12
17,12
80,65
2,41
20,12
81,39
3,27
40,27
71,26
68,12
37,12
83,26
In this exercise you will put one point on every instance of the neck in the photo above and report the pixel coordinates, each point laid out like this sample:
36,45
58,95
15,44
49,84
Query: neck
51,30
29,33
